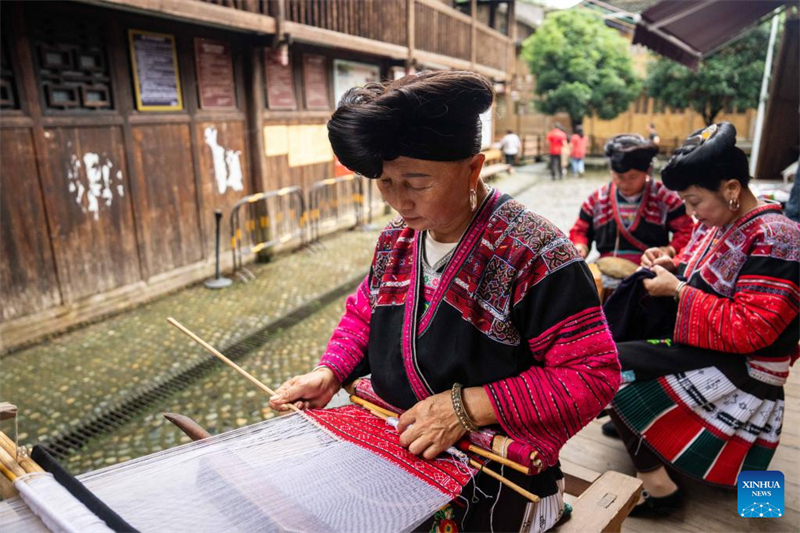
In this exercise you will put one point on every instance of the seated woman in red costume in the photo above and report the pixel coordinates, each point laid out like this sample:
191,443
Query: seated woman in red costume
465,297
633,212
708,401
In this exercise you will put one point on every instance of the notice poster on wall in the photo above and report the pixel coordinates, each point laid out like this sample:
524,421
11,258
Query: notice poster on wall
155,71
315,82
280,80
214,63
348,74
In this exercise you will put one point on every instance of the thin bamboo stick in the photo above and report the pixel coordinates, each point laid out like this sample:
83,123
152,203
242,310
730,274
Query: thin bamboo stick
8,473
471,447
7,488
225,360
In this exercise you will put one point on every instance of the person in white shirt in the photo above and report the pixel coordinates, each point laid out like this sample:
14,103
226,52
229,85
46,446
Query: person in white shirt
510,144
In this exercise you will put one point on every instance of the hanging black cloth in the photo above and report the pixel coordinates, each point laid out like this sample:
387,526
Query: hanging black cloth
633,314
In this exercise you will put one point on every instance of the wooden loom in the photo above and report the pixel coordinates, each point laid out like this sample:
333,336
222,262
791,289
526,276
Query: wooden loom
600,502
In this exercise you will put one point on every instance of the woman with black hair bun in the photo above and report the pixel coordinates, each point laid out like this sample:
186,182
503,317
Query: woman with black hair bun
463,321
708,401
633,216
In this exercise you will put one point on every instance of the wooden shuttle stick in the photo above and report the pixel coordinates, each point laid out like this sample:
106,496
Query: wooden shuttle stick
227,361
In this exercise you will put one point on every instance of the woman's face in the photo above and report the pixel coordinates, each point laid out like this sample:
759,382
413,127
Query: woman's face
430,195
629,183
708,207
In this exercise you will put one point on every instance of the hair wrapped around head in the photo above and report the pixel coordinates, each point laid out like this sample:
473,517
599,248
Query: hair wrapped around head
630,151
431,115
706,158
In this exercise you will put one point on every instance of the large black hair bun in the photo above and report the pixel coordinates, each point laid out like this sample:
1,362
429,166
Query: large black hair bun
706,158
431,115
630,151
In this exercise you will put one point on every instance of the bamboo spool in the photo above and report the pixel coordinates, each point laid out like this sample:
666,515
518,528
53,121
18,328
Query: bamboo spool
27,464
10,464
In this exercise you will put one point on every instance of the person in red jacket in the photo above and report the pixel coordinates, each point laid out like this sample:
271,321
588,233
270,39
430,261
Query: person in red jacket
556,139
578,143
633,212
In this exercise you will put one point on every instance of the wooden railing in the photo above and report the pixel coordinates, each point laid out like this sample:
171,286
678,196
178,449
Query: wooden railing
492,48
438,28
380,20
442,30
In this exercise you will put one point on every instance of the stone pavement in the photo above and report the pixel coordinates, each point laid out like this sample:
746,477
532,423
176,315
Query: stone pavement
95,394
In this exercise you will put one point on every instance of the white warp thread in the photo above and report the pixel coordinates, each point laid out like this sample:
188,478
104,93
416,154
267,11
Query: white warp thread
285,474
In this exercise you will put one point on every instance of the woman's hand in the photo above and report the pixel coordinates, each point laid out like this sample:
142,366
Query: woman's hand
658,256
435,426
582,249
313,390
664,284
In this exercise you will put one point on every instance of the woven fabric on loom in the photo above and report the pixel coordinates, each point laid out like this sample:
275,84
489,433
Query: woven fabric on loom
337,470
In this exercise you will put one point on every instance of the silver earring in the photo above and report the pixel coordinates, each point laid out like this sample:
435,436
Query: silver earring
473,199
733,204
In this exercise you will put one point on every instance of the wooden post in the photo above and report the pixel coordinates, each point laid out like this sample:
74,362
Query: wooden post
411,8
279,20
511,67
254,91
19,45
118,52
473,7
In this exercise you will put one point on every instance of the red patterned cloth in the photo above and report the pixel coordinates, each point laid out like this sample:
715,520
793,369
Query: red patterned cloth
358,426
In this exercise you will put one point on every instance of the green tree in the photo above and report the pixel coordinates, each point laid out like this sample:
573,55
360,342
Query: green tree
729,78
582,67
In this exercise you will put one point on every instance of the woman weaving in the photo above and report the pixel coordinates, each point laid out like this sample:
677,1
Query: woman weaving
709,401
463,321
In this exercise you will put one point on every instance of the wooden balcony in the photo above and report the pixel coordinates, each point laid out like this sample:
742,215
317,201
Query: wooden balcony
425,32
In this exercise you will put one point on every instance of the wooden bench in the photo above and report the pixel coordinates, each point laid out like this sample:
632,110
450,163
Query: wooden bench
494,164
600,502
493,170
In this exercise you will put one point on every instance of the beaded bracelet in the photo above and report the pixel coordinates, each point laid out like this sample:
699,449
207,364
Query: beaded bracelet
458,407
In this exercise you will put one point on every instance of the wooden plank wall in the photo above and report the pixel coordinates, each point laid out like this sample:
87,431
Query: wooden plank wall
64,257
780,140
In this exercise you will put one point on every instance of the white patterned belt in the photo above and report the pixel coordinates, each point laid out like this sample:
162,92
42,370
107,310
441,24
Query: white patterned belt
770,371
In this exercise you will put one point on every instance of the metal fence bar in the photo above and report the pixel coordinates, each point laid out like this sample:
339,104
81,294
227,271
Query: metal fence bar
272,218
333,200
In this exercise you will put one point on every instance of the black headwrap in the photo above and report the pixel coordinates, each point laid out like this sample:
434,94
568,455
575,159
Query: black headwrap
432,116
705,158
630,151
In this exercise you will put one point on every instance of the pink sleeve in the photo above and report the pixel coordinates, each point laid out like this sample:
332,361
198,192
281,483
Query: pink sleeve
546,405
348,344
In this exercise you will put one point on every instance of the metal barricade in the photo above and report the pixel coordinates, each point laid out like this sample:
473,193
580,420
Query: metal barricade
272,218
332,202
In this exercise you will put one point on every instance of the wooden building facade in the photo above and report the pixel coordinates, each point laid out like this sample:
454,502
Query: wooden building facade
124,124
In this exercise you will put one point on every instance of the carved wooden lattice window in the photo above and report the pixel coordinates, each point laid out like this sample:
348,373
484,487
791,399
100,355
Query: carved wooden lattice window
72,64
8,88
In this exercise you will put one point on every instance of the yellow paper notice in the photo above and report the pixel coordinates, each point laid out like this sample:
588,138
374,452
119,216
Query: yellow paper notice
309,144
276,140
